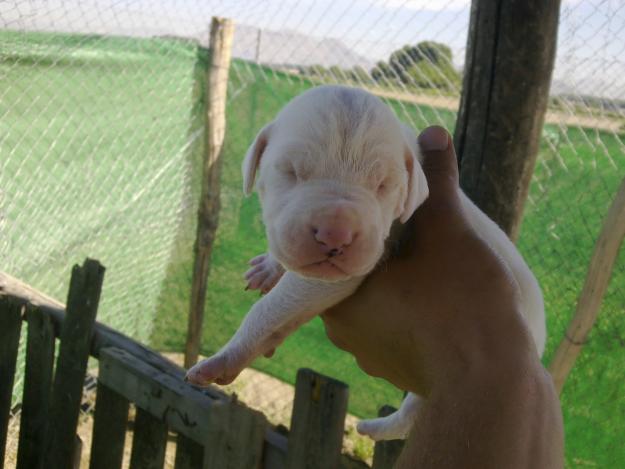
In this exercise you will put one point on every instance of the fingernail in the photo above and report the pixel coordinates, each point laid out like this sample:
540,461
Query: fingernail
434,139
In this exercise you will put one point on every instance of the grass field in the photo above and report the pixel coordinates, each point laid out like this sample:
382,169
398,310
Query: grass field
99,149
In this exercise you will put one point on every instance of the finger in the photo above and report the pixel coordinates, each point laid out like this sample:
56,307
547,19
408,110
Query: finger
442,211
440,164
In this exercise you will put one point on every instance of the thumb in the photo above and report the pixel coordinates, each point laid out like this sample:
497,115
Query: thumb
439,165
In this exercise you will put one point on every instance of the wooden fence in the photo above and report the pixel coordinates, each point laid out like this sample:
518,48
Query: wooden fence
213,430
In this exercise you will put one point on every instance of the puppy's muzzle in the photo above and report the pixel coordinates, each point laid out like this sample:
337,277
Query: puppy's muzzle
335,252
334,229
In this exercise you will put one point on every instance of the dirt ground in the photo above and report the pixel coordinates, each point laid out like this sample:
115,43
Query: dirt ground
552,117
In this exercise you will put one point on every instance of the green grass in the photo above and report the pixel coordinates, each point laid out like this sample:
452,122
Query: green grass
97,159
557,238
94,158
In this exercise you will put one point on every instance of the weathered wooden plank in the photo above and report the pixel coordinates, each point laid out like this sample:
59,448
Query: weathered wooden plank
236,440
103,336
109,429
82,306
185,409
348,462
246,437
76,457
386,452
223,427
11,286
149,441
318,421
220,42
597,279
10,327
274,452
215,441
505,91
189,454
37,388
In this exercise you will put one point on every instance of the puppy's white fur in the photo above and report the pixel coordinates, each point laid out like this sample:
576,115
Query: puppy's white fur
333,153
335,169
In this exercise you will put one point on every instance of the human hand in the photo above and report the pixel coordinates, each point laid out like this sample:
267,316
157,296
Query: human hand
430,304
441,319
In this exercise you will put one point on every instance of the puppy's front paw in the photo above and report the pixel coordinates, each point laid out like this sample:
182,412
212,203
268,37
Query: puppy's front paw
385,428
216,369
264,274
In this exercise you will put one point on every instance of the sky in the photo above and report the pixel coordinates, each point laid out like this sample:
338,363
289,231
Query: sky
591,42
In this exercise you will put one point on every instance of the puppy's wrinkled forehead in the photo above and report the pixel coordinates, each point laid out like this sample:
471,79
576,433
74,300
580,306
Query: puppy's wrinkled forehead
340,129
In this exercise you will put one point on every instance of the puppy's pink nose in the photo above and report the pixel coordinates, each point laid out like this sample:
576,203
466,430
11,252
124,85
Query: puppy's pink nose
334,237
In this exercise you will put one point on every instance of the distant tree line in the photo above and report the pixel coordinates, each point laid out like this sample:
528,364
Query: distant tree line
426,65
357,73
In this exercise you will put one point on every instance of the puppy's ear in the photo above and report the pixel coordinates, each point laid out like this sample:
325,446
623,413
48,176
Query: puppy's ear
417,184
252,159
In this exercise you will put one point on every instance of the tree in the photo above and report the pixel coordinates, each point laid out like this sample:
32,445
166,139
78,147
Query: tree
359,74
381,72
434,52
317,70
427,64
336,72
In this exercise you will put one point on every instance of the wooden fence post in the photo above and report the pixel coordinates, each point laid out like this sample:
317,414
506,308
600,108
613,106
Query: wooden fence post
189,454
221,34
235,439
10,327
318,422
109,429
510,56
82,306
149,441
597,279
385,453
37,389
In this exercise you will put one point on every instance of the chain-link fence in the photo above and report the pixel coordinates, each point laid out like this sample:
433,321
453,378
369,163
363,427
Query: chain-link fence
101,139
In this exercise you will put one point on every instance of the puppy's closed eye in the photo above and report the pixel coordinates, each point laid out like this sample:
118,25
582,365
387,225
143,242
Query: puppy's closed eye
291,172
383,186
288,170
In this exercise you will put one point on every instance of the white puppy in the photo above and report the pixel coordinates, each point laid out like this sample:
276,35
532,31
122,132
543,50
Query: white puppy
335,169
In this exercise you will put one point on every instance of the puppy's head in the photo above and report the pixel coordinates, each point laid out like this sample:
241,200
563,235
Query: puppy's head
334,171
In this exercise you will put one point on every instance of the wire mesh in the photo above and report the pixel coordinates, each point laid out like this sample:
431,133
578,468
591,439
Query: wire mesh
101,139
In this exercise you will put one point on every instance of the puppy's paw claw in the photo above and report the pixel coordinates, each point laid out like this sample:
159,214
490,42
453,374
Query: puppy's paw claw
216,369
264,274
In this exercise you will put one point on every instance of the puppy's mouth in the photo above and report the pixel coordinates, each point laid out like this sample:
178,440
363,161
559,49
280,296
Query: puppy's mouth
324,268
326,262
333,266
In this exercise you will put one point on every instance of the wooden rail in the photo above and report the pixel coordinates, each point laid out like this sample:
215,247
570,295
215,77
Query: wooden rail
214,430
597,279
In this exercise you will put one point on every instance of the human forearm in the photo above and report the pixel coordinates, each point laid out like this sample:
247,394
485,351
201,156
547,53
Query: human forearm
507,420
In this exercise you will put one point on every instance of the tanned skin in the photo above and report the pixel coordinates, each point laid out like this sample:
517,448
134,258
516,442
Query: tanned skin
441,319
